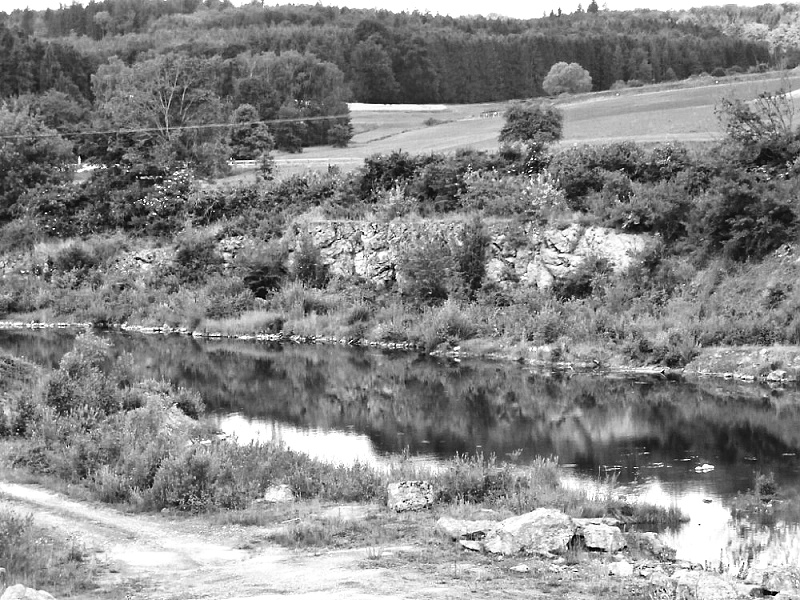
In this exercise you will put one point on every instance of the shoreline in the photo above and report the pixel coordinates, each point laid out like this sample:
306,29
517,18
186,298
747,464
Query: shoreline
718,362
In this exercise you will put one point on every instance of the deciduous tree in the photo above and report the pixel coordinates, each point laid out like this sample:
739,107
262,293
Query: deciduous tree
567,77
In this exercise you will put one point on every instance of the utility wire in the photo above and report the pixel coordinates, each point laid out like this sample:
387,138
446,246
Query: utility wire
19,136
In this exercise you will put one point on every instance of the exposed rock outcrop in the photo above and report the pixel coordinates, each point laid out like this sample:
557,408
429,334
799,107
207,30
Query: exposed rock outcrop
524,254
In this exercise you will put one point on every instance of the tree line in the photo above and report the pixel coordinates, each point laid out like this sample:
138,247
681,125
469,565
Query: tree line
407,57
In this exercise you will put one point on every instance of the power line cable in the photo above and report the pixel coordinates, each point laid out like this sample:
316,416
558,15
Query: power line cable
19,136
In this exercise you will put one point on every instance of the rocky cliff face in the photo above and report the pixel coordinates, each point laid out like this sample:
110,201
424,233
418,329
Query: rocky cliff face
524,254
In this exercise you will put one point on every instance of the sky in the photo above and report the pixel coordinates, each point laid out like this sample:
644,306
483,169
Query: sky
522,9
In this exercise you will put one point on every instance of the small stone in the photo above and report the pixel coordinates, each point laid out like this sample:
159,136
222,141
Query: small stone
521,569
620,569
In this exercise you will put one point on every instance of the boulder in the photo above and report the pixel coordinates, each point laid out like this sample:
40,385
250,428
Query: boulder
650,545
784,581
279,494
603,537
542,531
620,569
20,592
410,495
463,528
702,585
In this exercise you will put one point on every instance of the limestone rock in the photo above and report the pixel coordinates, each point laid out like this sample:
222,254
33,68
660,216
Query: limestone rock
784,581
703,586
279,494
777,375
603,537
463,528
520,568
542,531
473,545
410,495
651,545
20,592
620,569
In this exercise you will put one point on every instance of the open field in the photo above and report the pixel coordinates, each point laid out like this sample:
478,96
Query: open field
671,112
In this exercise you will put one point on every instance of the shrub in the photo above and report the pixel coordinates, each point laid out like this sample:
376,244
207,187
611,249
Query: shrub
583,281
196,257
745,217
470,255
424,271
307,266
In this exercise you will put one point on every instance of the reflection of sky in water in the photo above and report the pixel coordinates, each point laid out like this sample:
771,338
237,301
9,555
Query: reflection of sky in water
711,535
337,447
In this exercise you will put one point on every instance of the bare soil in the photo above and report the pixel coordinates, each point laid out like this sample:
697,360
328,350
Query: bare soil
170,557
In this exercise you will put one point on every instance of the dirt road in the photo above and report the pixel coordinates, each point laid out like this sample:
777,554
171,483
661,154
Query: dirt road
171,557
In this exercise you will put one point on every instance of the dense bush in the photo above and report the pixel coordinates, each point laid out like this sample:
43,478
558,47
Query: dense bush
532,123
745,216
424,271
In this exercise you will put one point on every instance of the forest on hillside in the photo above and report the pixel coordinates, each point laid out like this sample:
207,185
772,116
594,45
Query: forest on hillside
159,84
404,57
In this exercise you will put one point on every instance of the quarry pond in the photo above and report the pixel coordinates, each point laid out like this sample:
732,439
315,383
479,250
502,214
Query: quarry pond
697,445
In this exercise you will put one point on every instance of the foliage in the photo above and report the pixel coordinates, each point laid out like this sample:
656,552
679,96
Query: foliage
31,556
567,78
762,131
307,266
469,255
196,257
532,123
31,154
424,271
745,216
250,139
165,103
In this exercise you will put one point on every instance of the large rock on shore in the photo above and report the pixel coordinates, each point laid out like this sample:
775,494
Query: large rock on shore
782,581
542,531
465,529
20,592
702,585
600,536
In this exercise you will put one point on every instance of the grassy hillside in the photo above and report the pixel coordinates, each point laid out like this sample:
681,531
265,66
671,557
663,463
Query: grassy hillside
681,112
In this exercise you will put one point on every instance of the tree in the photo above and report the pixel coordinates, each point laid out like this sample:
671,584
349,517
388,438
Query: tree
31,154
164,103
570,78
592,8
373,77
532,123
250,138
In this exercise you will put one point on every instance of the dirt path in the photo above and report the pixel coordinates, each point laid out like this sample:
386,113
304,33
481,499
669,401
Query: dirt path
171,557
163,557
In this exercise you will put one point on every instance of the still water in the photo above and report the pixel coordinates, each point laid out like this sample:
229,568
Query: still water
344,404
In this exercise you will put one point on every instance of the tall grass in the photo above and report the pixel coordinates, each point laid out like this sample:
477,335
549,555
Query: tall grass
33,557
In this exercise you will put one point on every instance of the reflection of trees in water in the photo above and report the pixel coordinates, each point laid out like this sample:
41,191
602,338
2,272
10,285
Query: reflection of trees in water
401,399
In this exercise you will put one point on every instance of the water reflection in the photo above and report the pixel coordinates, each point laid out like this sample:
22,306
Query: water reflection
344,404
